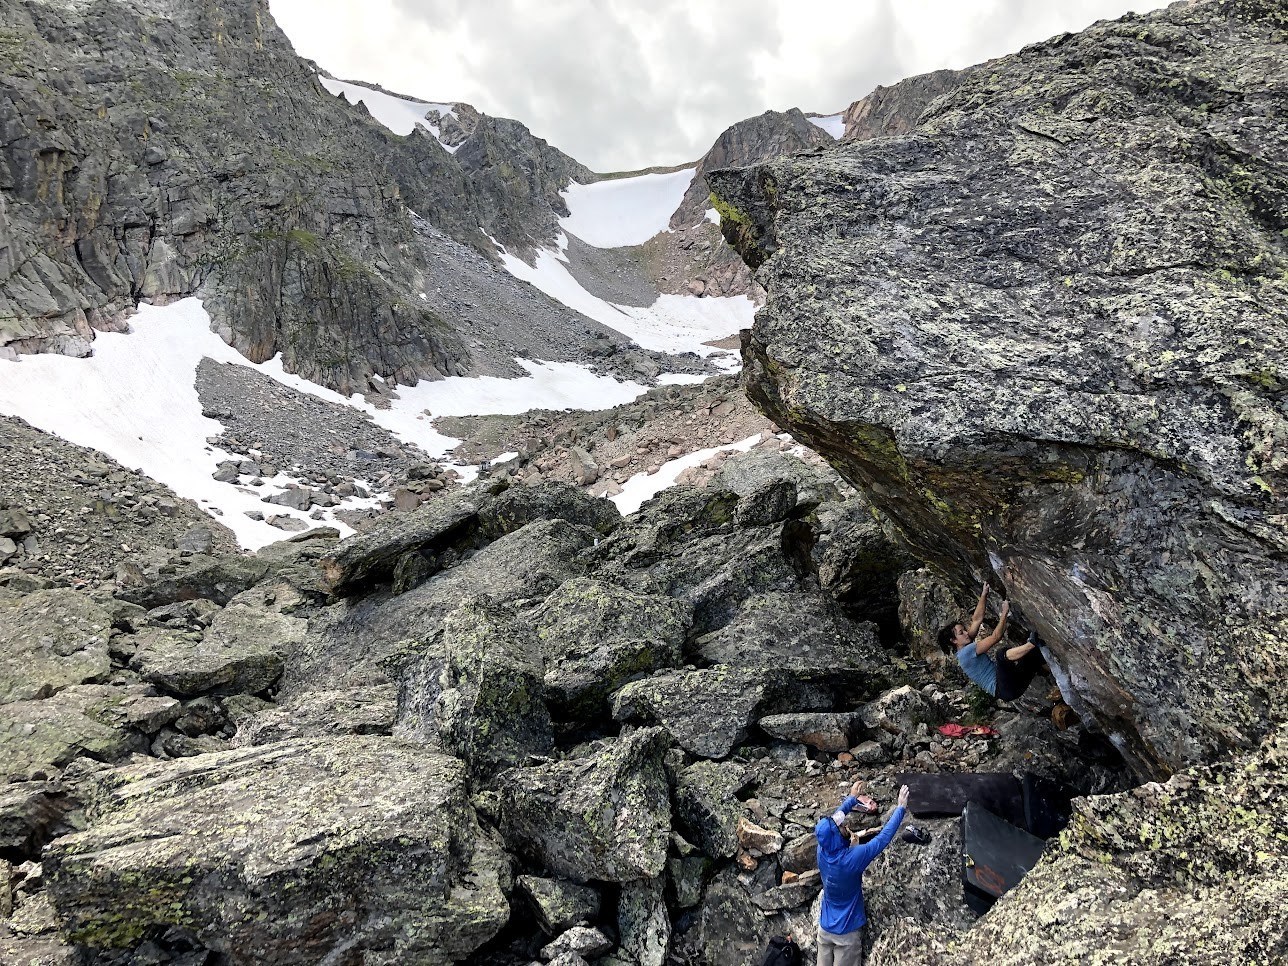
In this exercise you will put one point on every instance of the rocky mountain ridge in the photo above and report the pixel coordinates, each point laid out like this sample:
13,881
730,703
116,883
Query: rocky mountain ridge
149,179
309,228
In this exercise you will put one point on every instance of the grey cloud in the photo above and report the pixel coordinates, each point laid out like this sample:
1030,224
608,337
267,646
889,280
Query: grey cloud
623,84
864,57
586,77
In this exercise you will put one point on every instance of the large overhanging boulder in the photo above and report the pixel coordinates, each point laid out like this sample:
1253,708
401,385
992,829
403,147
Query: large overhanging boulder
307,851
1045,332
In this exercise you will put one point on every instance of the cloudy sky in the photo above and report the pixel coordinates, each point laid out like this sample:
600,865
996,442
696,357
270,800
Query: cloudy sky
623,84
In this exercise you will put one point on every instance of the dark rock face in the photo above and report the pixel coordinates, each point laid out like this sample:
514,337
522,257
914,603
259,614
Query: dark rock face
515,180
706,711
530,562
1044,331
155,179
559,905
38,737
705,268
513,509
242,652
925,606
48,640
157,151
706,807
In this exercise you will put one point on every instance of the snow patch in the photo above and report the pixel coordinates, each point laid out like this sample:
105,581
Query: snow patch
680,379
833,124
400,114
645,486
682,323
673,323
549,385
135,399
624,211
713,216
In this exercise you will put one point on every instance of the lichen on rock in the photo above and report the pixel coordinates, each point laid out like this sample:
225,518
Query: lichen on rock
1191,870
285,853
1043,331
605,815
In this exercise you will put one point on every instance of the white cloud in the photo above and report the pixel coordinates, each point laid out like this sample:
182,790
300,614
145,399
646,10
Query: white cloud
622,84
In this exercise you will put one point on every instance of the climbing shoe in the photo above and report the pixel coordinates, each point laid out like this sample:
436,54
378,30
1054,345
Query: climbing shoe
916,835
1064,717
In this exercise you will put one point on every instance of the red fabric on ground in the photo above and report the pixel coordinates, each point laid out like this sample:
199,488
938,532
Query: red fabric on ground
964,731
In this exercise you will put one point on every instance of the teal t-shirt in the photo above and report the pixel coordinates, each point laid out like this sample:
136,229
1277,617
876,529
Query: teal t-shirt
978,667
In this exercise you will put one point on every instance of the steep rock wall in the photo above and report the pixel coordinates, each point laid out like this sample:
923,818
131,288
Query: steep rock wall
1045,330
155,149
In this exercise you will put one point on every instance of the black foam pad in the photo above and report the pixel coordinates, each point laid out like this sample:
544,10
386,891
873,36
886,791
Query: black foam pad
947,793
1046,805
996,855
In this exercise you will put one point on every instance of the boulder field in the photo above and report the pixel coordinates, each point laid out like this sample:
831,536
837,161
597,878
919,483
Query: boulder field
1038,334
511,725
346,751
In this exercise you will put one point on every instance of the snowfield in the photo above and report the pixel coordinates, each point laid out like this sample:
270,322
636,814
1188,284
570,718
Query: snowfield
400,114
625,211
135,400
630,211
643,486
673,323
833,124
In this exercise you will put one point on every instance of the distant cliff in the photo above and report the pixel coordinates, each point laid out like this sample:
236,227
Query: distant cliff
896,109
158,150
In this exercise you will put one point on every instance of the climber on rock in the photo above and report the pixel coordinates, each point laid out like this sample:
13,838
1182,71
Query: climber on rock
1012,673
841,861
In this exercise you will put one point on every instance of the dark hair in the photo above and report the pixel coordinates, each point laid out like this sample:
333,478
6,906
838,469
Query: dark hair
946,638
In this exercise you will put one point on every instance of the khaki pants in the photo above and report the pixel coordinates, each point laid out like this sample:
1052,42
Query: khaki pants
844,950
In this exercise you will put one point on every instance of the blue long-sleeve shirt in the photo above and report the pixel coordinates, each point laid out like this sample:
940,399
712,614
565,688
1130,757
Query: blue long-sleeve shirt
841,866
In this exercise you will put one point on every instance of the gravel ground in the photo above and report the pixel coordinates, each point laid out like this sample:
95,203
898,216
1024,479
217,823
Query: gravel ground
299,434
664,423
616,275
85,512
509,319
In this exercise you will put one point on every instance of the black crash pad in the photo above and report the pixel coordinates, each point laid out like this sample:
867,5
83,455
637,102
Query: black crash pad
1047,806
995,855
947,793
